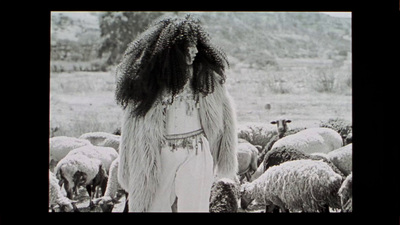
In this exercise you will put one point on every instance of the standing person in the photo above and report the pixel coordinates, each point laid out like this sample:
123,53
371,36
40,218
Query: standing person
179,126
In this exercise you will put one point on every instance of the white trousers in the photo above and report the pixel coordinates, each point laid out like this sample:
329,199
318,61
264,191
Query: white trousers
186,174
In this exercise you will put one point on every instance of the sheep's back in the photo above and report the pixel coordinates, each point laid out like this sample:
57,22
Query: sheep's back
342,158
60,146
282,154
102,139
302,185
105,154
331,137
312,140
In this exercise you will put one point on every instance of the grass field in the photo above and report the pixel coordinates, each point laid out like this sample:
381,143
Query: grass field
83,102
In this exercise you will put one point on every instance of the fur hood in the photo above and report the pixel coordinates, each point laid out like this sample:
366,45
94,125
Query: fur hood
141,138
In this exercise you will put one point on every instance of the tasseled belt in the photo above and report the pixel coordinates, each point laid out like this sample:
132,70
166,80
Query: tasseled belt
190,140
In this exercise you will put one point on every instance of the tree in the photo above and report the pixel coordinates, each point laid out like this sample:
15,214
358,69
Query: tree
118,29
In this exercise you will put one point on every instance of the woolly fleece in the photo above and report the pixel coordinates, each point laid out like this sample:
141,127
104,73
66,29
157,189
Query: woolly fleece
103,139
247,157
304,185
343,158
60,146
312,140
105,154
346,194
112,183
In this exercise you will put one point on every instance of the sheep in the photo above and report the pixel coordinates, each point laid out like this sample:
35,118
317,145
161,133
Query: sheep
224,196
247,156
256,134
77,170
283,154
113,190
300,185
346,194
103,139
57,198
312,140
105,154
342,158
60,146
283,130
342,126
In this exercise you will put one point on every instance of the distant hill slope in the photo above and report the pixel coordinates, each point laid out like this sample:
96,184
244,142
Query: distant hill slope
251,37
279,35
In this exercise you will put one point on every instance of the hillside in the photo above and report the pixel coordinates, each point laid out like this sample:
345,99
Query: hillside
280,35
250,37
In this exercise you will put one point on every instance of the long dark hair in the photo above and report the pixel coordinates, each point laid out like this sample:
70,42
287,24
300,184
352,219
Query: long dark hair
155,61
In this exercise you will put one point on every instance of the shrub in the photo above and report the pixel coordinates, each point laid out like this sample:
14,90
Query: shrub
257,134
276,85
323,80
343,127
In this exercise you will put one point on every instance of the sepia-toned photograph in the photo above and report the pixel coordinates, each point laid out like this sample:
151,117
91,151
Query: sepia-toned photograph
200,111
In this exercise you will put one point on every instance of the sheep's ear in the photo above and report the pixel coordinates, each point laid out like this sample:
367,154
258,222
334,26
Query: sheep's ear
101,170
288,121
273,122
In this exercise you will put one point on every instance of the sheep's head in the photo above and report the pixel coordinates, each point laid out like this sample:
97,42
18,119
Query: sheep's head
106,203
348,139
245,196
69,207
79,179
281,126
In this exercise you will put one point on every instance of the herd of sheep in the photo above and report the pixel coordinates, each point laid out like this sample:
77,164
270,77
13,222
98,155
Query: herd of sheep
293,170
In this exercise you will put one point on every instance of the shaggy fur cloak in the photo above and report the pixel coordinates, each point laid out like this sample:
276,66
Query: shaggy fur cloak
141,138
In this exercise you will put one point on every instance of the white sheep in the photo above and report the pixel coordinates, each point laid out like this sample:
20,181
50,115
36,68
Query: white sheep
300,185
105,154
342,158
247,156
56,197
103,139
346,194
60,146
79,170
312,140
